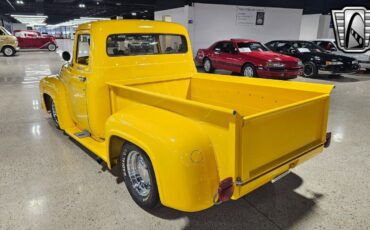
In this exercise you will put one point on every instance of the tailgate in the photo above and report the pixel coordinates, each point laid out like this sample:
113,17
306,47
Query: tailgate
272,138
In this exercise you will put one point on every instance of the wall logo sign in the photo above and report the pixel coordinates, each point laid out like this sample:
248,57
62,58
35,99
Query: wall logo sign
352,29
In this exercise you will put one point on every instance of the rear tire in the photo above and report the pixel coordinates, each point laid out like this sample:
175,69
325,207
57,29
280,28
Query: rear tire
249,70
207,65
8,51
310,70
138,173
52,47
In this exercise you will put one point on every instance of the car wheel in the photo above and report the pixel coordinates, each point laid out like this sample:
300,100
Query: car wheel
310,69
8,51
249,71
53,113
52,47
139,176
207,65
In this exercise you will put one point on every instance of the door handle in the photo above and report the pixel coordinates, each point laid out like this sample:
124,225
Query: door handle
82,78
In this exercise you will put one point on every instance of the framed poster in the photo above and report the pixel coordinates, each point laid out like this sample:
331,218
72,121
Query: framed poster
260,18
249,16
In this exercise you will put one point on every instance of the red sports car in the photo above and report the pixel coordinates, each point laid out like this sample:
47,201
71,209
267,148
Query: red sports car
250,58
28,39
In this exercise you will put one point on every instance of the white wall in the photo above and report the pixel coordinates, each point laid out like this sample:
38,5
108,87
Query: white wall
309,26
179,15
213,22
324,30
19,26
316,26
216,22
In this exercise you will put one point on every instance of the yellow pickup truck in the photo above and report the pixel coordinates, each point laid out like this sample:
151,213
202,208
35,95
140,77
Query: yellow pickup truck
131,94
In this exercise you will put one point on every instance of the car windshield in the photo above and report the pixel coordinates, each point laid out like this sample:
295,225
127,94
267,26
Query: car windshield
245,47
307,47
2,29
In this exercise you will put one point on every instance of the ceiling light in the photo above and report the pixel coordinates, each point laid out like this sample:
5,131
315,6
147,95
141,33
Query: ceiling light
30,20
133,13
98,3
145,11
82,5
20,2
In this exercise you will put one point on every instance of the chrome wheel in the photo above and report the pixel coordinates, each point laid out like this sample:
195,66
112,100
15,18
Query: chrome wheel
8,51
138,172
248,71
54,114
207,65
52,47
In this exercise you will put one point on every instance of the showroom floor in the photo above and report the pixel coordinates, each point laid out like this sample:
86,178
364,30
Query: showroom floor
49,182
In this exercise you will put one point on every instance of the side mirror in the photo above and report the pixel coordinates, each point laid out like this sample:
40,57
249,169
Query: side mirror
333,49
292,51
66,56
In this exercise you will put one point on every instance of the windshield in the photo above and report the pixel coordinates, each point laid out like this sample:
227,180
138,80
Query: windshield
307,47
251,47
4,31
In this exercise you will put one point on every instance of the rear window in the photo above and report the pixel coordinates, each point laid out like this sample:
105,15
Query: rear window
145,44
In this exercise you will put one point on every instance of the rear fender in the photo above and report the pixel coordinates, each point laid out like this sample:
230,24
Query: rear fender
181,154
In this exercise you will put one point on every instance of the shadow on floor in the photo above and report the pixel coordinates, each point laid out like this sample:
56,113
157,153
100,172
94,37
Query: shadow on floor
272,206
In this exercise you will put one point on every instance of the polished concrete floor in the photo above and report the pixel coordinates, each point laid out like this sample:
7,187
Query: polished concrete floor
49,182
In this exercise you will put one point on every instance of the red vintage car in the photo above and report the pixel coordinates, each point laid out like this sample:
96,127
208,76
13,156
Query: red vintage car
249,58
28,39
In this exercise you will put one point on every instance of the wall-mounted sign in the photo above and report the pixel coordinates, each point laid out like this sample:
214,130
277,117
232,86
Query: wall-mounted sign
249,16
260,18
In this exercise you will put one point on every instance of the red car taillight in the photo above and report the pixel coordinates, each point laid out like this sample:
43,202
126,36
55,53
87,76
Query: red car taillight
225,190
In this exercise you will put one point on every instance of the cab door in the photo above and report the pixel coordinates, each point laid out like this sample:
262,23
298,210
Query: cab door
75,77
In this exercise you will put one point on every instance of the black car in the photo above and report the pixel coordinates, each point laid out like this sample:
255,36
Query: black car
314,57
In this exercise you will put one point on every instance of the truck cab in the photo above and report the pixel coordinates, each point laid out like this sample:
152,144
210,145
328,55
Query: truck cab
131,94
8,43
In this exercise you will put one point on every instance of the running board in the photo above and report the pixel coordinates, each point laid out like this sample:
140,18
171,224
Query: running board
82,134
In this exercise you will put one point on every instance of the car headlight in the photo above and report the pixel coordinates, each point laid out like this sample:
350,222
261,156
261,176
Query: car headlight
300,63
354,62
272,64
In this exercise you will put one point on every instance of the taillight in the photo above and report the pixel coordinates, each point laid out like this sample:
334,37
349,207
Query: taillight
225,190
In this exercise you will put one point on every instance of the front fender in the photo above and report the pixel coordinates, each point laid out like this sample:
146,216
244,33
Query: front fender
52,86
180,151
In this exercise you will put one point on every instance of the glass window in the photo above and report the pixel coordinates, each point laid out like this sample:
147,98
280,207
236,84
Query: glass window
145,44
225,47
306,47
83,49
251,46
3,31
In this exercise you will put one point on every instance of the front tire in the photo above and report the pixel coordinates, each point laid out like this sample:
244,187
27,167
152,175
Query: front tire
310,70
53,112
207,65
139,176
249,71
52,47
8,51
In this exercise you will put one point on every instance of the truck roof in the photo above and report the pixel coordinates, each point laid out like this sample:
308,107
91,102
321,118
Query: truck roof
132,24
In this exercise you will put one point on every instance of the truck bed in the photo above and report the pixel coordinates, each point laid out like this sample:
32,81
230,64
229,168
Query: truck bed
255,125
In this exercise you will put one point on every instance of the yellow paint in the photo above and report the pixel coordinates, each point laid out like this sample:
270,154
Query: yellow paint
197,129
